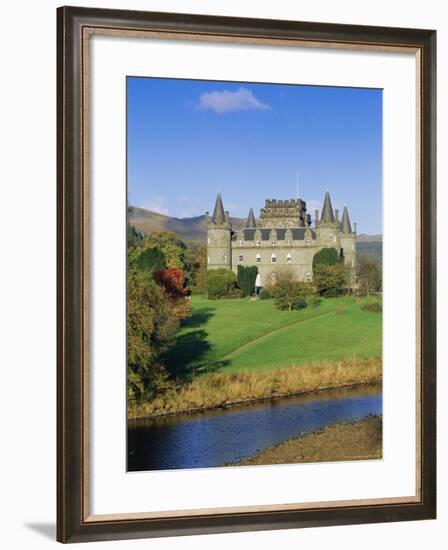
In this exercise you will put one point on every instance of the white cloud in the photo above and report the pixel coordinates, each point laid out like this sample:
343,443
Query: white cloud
157,204
230,102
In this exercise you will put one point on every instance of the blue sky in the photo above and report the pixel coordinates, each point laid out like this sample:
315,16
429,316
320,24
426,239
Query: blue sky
189,139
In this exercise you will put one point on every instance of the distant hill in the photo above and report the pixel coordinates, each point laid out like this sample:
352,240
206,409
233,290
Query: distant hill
188,229
370,244
193,229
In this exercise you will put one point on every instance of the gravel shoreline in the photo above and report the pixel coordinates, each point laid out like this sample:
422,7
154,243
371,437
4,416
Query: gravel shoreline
359,440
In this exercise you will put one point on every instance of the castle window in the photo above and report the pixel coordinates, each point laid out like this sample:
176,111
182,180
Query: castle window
308,278
208,259
288,258
208,240
240,257
225,258
258,258
334,238
273,258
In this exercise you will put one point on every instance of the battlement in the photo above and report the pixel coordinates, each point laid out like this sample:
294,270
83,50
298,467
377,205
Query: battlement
284,203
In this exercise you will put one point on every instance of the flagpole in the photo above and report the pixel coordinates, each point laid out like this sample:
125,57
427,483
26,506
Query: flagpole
297,185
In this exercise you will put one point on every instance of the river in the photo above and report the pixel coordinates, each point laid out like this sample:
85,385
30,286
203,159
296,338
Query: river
213,438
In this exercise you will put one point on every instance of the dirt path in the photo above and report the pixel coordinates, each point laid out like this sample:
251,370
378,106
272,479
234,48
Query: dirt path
274,331
360,440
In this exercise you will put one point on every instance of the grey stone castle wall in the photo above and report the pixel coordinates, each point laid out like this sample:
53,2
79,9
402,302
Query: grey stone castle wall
273,257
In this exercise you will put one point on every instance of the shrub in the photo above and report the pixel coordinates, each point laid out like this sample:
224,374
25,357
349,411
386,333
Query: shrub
330,280
375,306
221,283
290,294
265,294
313,300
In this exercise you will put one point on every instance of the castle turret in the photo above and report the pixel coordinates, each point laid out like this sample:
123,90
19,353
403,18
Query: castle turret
348,243
327,210
251,220
328,228
219,231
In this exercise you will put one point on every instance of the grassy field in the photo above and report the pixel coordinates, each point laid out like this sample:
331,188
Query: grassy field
244,335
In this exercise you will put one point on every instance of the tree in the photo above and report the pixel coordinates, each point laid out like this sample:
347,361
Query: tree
289,294
147,259
151,330
246,279
331,280
135,238
195,266
326,256
173,281
200,273
221,283
369,273
172,247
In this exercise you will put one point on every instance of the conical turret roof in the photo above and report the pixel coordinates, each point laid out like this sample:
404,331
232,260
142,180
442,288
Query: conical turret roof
218,213
346,226
251,219
327,210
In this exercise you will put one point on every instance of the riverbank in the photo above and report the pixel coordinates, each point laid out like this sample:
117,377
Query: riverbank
215,390
360,440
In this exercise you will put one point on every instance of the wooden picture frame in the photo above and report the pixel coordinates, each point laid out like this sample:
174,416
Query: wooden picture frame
75,26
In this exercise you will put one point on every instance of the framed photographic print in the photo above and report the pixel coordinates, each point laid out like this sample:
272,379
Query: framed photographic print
246,274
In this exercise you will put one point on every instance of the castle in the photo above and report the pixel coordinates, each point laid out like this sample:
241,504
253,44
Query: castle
281,239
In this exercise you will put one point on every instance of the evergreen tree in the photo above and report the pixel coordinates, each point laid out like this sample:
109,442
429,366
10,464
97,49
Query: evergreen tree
326,256
246,279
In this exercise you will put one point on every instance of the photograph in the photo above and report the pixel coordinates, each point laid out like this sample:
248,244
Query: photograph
254,273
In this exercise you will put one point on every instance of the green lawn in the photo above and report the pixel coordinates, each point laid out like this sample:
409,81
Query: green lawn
237,335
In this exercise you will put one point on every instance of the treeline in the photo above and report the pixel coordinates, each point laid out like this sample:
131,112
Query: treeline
162,273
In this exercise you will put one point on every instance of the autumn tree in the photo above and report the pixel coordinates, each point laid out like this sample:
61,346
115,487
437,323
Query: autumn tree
151,330
173,281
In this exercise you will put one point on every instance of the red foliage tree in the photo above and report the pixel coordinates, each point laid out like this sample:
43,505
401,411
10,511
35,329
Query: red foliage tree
173,281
